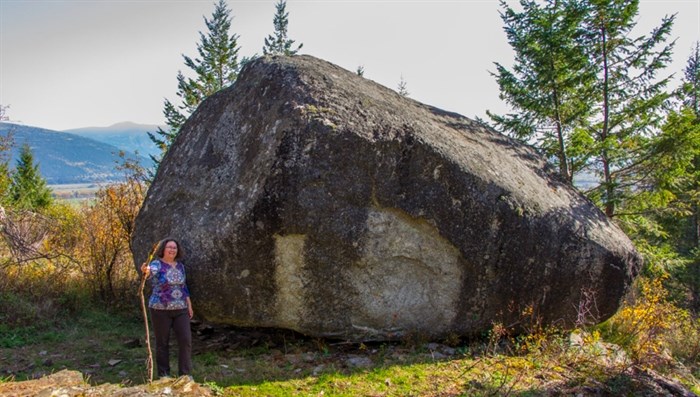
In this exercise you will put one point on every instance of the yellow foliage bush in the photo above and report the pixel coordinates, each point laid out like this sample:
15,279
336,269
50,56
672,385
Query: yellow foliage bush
103,246
72,253
652,329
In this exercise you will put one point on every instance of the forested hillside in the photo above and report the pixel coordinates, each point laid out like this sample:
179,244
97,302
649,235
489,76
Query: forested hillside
127,136
67,158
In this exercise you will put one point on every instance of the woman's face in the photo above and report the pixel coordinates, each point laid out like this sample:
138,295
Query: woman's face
170,251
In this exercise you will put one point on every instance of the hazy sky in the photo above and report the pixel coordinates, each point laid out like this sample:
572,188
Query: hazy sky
77,63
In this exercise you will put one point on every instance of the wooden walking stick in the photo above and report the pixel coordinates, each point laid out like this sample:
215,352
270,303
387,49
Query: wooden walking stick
149,359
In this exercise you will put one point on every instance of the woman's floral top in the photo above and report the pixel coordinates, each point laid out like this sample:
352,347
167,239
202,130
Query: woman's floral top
169,289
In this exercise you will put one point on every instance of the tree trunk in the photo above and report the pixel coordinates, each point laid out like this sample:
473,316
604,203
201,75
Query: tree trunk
563,160
609,198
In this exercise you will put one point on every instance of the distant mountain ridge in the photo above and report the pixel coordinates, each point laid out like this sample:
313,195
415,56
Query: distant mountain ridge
65,158
131,137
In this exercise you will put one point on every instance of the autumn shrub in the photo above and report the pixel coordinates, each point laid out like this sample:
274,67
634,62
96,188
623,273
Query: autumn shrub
104,244
529,336
69,257
27,268
653,330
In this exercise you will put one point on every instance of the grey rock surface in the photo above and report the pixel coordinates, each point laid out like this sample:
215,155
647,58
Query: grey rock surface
312,199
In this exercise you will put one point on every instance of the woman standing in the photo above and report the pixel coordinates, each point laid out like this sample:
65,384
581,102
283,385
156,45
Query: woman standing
170,306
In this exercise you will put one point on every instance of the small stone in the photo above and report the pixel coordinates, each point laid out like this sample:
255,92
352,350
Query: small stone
293,358
113,362
449,351
433,346
309,357
358,362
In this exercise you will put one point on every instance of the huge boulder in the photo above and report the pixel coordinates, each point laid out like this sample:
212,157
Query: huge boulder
310,198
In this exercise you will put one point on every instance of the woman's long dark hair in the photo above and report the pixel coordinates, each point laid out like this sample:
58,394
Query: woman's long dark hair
161,248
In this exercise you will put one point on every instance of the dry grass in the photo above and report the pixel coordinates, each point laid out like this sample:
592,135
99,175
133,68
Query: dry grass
253,362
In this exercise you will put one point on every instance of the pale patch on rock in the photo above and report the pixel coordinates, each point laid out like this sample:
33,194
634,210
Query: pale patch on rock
289,279
408,278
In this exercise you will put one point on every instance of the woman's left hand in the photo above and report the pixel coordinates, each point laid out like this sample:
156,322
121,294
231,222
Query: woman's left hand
190,312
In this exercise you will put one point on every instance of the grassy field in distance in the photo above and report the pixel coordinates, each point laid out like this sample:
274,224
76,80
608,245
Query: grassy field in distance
75,191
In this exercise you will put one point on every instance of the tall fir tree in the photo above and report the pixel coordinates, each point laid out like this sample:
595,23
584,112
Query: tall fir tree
688,121
585,91
681,133
662,214
548,85
628,97
278,43
28,189
216,67
676,195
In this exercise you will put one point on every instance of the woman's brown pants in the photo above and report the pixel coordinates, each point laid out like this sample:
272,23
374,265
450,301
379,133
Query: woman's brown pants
179,321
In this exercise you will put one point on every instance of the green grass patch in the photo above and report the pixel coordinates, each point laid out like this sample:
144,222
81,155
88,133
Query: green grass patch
253,363
15,337
92,342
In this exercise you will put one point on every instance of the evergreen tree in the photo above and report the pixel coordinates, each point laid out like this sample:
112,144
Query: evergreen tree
585,92
677,193
549,82
690,89
216,67
5,181
628,96
278,43
681,139
28,189
688,121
